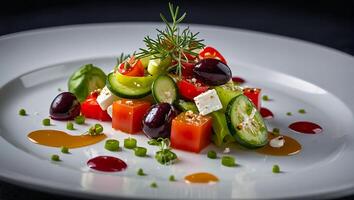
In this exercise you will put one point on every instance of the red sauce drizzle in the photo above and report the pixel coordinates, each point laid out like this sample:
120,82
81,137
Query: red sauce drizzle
238,80
266,113
107,164
305,127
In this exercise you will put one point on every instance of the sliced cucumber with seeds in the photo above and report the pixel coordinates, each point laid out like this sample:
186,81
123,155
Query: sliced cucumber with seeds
164,89
245,123
127,90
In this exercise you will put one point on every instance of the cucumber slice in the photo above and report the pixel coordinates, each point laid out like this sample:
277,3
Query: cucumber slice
226,93
246,123
126,91
186,105
164,89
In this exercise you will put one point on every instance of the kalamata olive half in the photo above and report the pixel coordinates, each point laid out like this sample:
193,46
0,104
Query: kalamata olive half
212,72
65,106
157,121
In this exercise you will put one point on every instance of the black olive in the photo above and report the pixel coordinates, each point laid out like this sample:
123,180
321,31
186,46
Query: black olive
212,72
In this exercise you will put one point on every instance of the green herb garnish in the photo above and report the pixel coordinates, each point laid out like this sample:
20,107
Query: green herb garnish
80,119
276,131
212,154
46,122
302,111
153,142
289,114
172,42
130,143
276,169
265,98
55,158
165,156
172,178
96,129
22,112
70,126
153,185
64,150
140,151
111,145
228,161
140,172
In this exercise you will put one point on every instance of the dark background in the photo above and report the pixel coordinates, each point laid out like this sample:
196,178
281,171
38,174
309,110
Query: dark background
329,23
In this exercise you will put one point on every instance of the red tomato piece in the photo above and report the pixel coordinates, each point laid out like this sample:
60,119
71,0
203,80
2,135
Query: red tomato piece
127,115
188,90
210,52
254,94
132,67
91,109
191,132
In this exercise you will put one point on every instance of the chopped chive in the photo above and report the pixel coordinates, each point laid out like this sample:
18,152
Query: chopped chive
302,111
70,126
22,112
153,185
80,119
228,161
265,98
96,129
276,169
140,151
289,114
212,154
130,143
141,172
276,131
172,178
46,122
55,158
112,145
64,150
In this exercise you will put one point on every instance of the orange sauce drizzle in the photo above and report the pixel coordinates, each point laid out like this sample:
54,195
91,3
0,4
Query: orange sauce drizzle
54,138
201,177
291,147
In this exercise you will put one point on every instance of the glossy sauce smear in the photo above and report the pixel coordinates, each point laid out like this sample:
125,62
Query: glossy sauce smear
201,177
266,113
107,164
305,127
54,138
291,147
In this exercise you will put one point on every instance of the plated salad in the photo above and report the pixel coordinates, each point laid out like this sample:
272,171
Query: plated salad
177,91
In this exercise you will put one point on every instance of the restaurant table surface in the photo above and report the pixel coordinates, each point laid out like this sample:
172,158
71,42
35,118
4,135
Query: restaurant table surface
329,23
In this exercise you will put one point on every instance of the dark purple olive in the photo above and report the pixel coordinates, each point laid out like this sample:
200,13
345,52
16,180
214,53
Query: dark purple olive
212,72
65,106
157,121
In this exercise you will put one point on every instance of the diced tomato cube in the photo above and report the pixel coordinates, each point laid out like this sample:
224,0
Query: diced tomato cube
91,109
254,94
191,132
188,90
127,115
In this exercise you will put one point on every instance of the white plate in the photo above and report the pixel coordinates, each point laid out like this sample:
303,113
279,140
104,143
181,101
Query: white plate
295,74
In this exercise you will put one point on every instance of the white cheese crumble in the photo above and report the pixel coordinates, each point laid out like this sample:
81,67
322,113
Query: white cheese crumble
106,98
110,110
227,150
277,142
208,102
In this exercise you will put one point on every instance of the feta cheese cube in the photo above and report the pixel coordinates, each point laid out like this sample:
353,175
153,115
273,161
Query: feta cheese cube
110,110
208,102
106,98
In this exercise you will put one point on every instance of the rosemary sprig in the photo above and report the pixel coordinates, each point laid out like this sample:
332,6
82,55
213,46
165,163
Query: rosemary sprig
172,41
122,58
